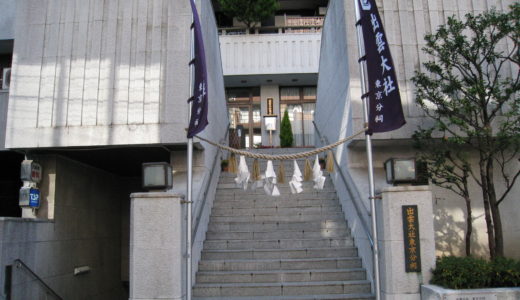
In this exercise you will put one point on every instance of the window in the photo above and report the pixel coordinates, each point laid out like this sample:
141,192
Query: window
244,112
300,103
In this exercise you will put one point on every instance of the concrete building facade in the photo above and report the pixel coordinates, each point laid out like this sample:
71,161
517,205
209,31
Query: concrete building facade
99,87
340,113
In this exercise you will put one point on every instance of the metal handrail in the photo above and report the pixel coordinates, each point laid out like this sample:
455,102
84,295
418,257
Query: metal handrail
350,188
20,264
200,208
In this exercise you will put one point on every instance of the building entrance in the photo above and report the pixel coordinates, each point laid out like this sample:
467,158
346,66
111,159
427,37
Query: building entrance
245,117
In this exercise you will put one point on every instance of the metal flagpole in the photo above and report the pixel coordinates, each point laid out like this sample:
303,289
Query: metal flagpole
190,168
368,139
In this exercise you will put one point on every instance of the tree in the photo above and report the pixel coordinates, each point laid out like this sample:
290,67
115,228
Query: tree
471,92
286,135
447,165
249,12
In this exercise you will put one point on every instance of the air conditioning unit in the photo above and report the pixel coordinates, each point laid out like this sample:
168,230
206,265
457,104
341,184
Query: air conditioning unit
6,82
322,10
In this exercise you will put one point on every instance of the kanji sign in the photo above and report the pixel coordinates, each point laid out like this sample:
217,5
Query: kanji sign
385,109
412,243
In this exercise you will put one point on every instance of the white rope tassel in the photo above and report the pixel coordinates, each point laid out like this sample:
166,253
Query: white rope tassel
243,173
296,182
317,175
270,187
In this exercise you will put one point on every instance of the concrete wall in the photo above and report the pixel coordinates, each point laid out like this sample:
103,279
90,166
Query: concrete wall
333,119
406,23
339,112
86,231
206,157
7,14
99,73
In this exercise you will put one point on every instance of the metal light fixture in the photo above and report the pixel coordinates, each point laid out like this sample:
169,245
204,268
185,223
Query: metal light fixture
400,170
157,176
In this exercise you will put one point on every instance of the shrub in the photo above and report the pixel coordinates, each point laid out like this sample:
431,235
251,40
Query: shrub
505,272
472,273
286,135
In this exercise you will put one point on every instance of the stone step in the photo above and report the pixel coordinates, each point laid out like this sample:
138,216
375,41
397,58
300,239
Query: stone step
364,296
295,217
275,226
230,188
281,276
229,182
275,211
280,264
278,244
279,253
273,202
281,289
281,234
237,194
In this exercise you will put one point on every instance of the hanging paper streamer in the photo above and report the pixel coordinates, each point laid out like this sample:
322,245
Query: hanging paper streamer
243,173
232,167
317,175
296,182
307,171
270,187
330,162
281,173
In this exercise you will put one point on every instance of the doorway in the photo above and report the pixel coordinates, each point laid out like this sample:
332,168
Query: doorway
245,117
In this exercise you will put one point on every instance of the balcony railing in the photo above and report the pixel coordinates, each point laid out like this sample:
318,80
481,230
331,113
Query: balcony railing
270,53
304,21
290,24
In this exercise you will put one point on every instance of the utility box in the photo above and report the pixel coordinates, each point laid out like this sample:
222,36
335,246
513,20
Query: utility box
29,197
31,171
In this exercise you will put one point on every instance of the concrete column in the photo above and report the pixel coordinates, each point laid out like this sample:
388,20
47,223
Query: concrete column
396,283
155,246
270,91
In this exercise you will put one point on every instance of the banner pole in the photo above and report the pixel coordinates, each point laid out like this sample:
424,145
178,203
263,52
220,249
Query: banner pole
368,139
190,169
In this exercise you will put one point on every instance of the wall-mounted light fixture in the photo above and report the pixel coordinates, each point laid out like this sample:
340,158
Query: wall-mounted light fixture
400,170
157,176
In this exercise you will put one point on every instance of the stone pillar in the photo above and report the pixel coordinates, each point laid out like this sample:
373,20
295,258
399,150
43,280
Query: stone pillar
156,246
396,283
270,91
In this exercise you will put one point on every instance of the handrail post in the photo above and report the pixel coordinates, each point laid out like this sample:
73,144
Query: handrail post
368,138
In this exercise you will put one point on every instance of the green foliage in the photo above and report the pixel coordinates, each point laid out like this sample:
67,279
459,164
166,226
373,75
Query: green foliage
472,95
249,11
473,273
505,272
286,135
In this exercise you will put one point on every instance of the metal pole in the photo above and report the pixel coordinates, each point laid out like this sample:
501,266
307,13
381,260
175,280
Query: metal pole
362,64
190,170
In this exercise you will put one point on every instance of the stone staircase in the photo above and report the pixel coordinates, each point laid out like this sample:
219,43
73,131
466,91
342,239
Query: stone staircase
287,247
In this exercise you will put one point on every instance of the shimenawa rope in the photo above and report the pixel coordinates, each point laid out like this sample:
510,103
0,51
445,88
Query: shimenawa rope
282,156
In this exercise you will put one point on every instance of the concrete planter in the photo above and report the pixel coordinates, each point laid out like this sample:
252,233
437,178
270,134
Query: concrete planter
433,292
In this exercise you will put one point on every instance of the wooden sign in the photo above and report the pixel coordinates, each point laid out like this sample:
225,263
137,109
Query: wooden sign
412,242
270,106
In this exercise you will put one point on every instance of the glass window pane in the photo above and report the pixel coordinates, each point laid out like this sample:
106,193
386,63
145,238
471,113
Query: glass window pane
308,127
237,95
290,94
309,93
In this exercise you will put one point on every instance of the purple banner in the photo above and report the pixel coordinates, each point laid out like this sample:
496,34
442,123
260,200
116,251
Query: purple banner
385,110
199,107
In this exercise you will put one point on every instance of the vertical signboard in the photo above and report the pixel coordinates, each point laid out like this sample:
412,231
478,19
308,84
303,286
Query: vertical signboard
412,246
